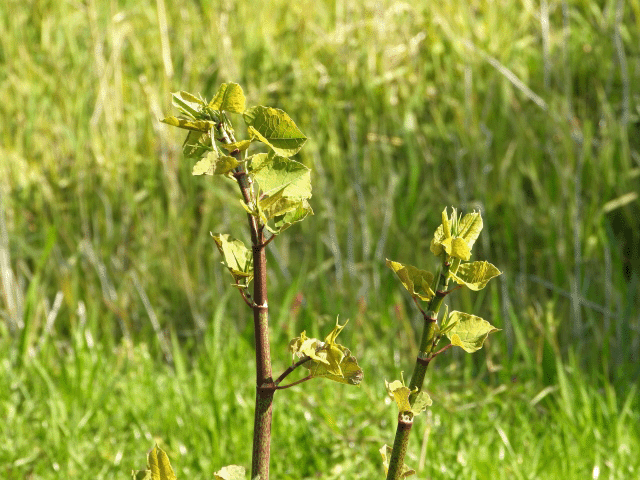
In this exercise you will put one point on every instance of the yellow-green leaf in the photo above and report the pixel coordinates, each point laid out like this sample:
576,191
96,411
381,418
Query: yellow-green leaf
237,258
328,359
455,236
187,103
212,164
299,213
273,172
470,227
230,472
385,451
242,145
187,124
475,275
158,467
197,144
417,282
469,331
401,394
274,128
229,97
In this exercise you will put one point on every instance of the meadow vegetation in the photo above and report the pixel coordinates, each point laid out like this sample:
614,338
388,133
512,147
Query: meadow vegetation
119,328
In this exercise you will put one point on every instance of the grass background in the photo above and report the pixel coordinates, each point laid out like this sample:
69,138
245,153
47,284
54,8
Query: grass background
119,328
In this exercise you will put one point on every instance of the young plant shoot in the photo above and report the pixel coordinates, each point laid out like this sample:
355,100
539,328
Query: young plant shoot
275,192
452,241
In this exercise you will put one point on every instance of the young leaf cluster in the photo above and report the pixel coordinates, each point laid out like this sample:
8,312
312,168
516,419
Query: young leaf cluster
327,358
277,188
453,241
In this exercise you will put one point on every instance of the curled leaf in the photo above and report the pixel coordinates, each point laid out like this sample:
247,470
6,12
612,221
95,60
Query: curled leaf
328,358
237,258
401,394
229,97
417,282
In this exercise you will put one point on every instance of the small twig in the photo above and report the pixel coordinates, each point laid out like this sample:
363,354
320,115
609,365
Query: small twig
247,298
309,377
442,350
415,300
268,241
304,359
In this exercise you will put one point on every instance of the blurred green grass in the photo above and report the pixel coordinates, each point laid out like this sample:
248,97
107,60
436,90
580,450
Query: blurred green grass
527,111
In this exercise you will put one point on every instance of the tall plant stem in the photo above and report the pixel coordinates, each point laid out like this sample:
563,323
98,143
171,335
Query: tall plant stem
265,386
427,345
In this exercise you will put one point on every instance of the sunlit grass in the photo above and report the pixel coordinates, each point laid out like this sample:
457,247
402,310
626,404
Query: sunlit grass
527,111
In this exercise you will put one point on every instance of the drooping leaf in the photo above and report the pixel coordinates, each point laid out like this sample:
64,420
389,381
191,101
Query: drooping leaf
469,331
237,258
282,222
188,124
275,128
272,172
212,164
475,275
417,282
328,358
187,103
229,97
158,467
196,144
385,451
230,472
241,146
401,394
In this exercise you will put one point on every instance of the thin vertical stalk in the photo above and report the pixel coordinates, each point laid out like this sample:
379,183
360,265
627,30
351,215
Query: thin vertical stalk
427,345
265,386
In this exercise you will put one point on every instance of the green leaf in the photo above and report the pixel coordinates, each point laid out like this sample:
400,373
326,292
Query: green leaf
275,128
197,144
475,275
188,124
229,97
328,358
237,258
241,146
187,103
417,282
158,467
299,213
401,394
230,472
469,331
385,451
212,164
272,172
141,475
